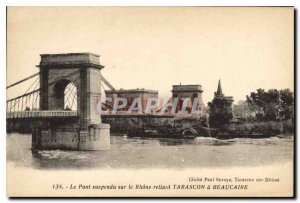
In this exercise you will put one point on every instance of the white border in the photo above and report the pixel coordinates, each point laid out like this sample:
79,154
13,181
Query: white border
5,3
150,3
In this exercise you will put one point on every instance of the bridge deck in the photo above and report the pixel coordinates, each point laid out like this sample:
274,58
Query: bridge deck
41,114
70,114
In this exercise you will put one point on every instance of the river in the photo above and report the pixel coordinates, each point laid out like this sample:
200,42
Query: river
127,152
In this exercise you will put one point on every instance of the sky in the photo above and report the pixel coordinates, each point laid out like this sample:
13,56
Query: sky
157,47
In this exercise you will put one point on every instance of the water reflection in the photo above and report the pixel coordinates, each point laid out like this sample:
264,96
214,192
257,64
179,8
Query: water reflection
129,152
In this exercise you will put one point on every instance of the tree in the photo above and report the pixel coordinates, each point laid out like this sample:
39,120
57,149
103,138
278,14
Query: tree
272,105
220,113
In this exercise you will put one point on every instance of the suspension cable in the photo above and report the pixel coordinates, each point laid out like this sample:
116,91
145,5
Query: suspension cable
36,81
23,80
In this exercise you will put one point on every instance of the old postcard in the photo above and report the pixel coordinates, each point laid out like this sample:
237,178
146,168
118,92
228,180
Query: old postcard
150,102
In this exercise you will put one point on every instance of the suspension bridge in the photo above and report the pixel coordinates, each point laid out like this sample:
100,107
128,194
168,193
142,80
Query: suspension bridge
27,105
61,103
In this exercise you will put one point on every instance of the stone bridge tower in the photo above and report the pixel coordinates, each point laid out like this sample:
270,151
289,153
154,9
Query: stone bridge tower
84,131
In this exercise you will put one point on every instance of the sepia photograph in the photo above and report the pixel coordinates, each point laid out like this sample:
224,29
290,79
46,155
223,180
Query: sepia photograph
150,102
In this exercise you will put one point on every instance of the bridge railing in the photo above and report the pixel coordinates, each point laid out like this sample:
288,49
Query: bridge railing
41,114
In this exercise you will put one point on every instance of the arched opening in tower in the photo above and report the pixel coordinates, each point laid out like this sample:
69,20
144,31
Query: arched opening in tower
65,96
70,97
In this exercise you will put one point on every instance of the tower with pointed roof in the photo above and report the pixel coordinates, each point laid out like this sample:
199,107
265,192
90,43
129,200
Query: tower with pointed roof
219,92
220,109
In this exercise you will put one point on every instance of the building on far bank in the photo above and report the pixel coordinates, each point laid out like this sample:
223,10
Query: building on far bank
130,95
220,109
193,93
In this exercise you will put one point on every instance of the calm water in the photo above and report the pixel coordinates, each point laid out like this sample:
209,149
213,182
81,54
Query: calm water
156,153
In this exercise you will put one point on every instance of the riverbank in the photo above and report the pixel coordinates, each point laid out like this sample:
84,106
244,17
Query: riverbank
269,127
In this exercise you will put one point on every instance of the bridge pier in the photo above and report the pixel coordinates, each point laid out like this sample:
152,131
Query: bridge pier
97,137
